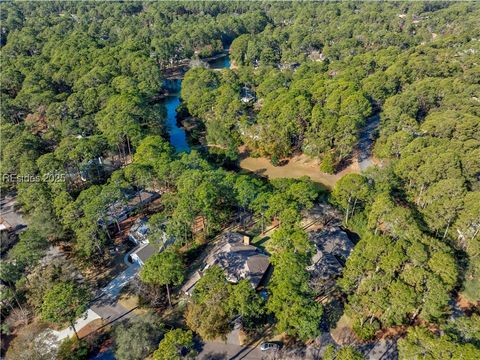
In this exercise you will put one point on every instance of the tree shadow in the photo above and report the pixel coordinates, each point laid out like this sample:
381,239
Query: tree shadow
214,356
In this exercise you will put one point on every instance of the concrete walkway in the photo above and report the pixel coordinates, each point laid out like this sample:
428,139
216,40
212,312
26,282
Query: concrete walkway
88,317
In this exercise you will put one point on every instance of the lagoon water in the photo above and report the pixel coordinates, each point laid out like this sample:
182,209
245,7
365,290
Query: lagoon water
221,63
178,137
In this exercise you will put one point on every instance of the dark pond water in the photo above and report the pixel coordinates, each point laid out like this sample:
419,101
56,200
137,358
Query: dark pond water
221,63
178,136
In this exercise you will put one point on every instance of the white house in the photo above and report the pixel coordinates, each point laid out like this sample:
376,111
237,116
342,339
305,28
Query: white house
139,231
143,253
146,245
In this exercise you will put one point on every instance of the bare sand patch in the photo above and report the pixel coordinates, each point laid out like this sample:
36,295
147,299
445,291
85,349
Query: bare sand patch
343,333
297,166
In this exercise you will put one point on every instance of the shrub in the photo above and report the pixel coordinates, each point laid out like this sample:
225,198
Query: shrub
328,163
73,349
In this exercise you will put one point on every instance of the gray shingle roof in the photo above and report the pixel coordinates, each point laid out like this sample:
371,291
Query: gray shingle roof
145,252
238,260
333,247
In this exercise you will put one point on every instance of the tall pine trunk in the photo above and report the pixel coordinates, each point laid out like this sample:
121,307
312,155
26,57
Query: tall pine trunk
168,296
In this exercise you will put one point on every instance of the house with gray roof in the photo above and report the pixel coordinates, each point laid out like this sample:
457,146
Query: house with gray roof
332,248
144,252
237,257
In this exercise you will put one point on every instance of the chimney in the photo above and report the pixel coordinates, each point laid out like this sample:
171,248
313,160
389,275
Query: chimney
246,240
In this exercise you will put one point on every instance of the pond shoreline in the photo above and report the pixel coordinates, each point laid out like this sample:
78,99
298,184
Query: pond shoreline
171,99
296,166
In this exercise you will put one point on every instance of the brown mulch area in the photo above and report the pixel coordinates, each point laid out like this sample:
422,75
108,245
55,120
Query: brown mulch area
392,332
90,327
466,305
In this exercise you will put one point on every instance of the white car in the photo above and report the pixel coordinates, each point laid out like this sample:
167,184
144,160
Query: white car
266,346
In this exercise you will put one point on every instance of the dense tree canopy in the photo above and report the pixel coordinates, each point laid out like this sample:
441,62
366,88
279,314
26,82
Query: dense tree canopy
215,303
64,303
80,87
138,337
163,269
420,342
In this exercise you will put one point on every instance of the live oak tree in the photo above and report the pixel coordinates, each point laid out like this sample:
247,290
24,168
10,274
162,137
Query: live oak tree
247,190
215,303
64,303
163,269
174,345
137,337
290,196
291,300
244,301
290,238
204,195
207,314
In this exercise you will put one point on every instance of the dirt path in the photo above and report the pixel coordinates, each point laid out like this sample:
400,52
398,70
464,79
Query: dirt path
297,167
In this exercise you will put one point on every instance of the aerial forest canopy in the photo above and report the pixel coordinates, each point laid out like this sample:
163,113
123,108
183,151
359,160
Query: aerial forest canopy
318,72
80,89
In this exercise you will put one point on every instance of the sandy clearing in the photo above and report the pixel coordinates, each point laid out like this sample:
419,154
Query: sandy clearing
302,165
297,166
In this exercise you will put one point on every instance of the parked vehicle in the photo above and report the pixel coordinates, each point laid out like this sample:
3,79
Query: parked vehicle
267,346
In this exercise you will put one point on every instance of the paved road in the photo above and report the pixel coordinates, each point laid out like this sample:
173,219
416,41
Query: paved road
380,350
365,142
220,350
113,289
109,309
